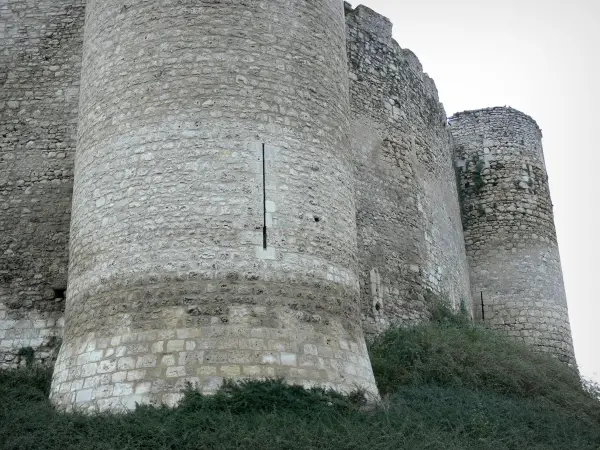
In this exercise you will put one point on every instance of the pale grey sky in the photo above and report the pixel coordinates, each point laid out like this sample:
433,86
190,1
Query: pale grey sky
540,57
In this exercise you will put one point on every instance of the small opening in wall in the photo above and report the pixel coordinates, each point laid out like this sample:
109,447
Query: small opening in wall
59,293
377,306
317,219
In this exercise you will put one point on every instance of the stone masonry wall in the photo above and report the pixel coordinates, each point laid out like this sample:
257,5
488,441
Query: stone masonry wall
169,279
200,124
410,239
40,54
509,227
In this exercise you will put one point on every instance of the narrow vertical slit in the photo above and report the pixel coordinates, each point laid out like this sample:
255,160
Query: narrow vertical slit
482,308
264,173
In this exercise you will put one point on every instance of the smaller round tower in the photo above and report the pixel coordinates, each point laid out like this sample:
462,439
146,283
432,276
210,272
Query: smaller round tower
509,227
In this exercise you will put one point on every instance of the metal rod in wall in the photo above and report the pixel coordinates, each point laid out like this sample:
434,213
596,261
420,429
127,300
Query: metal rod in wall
264,173
482,308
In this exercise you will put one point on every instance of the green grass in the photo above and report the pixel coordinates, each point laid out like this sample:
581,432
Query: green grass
446,385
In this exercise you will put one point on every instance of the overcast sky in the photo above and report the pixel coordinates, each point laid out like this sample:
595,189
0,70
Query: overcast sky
537,56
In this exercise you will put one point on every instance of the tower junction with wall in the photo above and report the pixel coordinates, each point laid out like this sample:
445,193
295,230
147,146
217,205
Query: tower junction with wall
196,190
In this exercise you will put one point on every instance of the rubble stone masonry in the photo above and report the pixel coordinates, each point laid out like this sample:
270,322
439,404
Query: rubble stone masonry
40,63
173,276
410,241
509,227
194,190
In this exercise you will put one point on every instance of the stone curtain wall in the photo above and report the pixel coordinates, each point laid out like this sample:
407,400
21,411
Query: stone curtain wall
410,239
169,280
509,227
40,55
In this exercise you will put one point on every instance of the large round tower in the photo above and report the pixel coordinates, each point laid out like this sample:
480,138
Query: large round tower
213,232
509,227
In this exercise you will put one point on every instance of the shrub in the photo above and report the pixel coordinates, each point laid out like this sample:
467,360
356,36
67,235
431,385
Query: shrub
457,353
447,385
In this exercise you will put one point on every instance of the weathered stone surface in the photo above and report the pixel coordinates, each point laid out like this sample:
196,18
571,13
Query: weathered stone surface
169,280
409,228
509,227
40,56
177,99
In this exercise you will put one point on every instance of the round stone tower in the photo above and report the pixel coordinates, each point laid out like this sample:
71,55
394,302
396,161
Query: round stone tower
213,233
509,227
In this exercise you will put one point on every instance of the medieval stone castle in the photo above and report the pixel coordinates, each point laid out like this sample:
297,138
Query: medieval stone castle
193,190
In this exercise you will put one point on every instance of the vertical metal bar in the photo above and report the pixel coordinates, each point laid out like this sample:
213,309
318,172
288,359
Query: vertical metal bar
482,308
264,169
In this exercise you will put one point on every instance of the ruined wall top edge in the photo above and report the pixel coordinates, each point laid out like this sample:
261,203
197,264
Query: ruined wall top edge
500,111
375,22
379,26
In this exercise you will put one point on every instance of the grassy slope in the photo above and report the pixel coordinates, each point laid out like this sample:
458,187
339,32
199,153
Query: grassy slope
447,385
